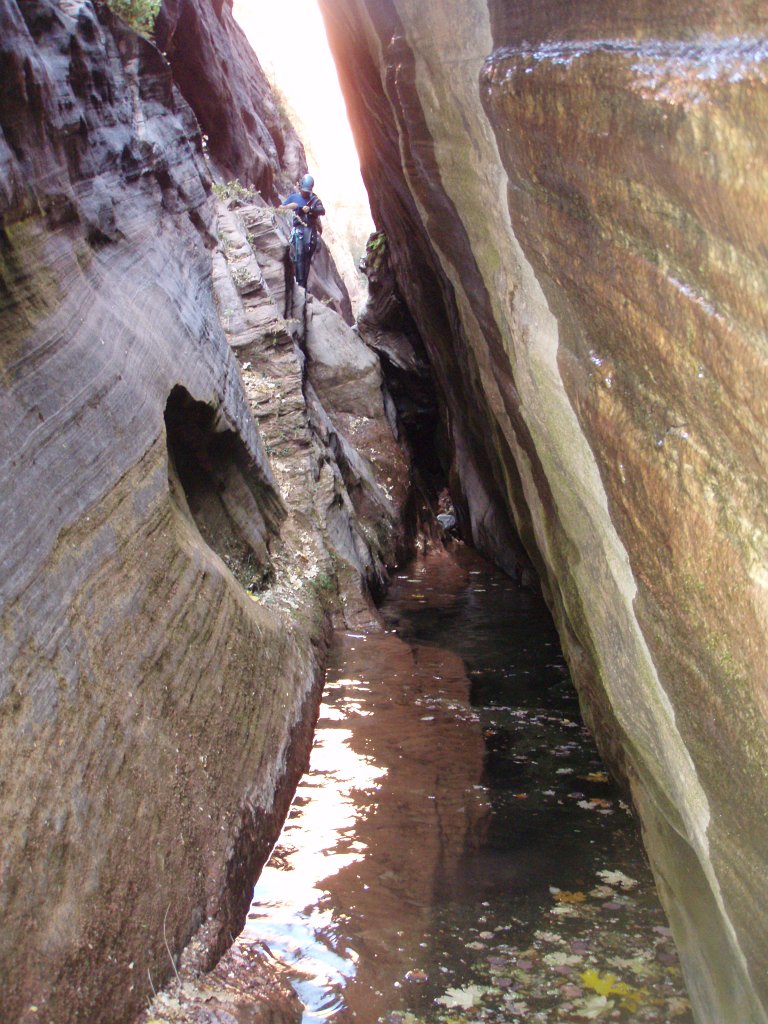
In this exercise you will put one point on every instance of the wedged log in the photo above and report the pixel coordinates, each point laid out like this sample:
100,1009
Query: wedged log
573,199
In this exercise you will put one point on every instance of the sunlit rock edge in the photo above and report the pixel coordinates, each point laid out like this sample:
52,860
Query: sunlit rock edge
577,228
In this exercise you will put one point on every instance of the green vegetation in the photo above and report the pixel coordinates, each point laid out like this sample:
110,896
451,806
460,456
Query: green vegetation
236,193
375,250
241,276
139,14
323,581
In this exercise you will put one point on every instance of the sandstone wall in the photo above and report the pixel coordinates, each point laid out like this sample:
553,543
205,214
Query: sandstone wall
573,195
217,73
247,133
162,623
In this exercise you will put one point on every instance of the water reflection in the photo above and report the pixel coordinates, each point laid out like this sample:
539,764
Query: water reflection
379,822
453,797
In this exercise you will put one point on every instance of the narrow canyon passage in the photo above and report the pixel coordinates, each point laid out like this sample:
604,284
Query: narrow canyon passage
203,466
456,851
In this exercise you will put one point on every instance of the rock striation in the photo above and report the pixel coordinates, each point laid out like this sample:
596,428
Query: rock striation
215,69
247,134
571,196
163,621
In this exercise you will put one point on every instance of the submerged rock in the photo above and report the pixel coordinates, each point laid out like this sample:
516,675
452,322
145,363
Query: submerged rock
245,987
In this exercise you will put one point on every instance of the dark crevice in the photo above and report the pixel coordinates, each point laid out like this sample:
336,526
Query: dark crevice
214,481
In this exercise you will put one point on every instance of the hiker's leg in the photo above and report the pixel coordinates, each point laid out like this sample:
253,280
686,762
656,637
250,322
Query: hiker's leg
303,257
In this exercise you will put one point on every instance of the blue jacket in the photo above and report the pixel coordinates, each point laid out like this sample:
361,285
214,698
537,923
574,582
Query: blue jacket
313,202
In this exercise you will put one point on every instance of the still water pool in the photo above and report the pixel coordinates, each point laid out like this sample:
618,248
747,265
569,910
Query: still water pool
456,852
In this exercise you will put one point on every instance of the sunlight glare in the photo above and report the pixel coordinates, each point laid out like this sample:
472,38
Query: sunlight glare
290,41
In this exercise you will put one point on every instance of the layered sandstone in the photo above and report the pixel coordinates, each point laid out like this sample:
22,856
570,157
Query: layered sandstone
162,621
572,196
247,133
216,71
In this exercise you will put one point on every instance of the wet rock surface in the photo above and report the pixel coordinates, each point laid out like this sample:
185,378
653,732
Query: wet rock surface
245,987
316,391
456,851
163,620
388,329
570,194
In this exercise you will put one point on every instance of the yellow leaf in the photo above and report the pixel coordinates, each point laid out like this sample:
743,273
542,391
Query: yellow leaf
570,897
601,985
608,985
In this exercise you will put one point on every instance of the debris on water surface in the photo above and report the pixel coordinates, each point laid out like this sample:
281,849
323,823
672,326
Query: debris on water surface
586,969
463,998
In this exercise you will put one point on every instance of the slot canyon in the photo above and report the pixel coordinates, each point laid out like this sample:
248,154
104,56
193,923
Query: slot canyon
210,475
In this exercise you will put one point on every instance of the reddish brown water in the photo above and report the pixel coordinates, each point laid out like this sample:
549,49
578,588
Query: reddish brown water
442,858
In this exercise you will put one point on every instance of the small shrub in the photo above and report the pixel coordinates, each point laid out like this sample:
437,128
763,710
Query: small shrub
139,14
375,251
237,193
241,276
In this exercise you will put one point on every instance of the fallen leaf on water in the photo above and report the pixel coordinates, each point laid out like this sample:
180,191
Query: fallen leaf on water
569,991
580,946
562,959
416,975
602,892
464,998
595,776
518,1008
642,966
593,1007
600,983
608,985
618,878
570,897
497,962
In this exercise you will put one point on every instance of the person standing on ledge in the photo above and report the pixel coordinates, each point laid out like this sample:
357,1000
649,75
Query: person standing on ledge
307,210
